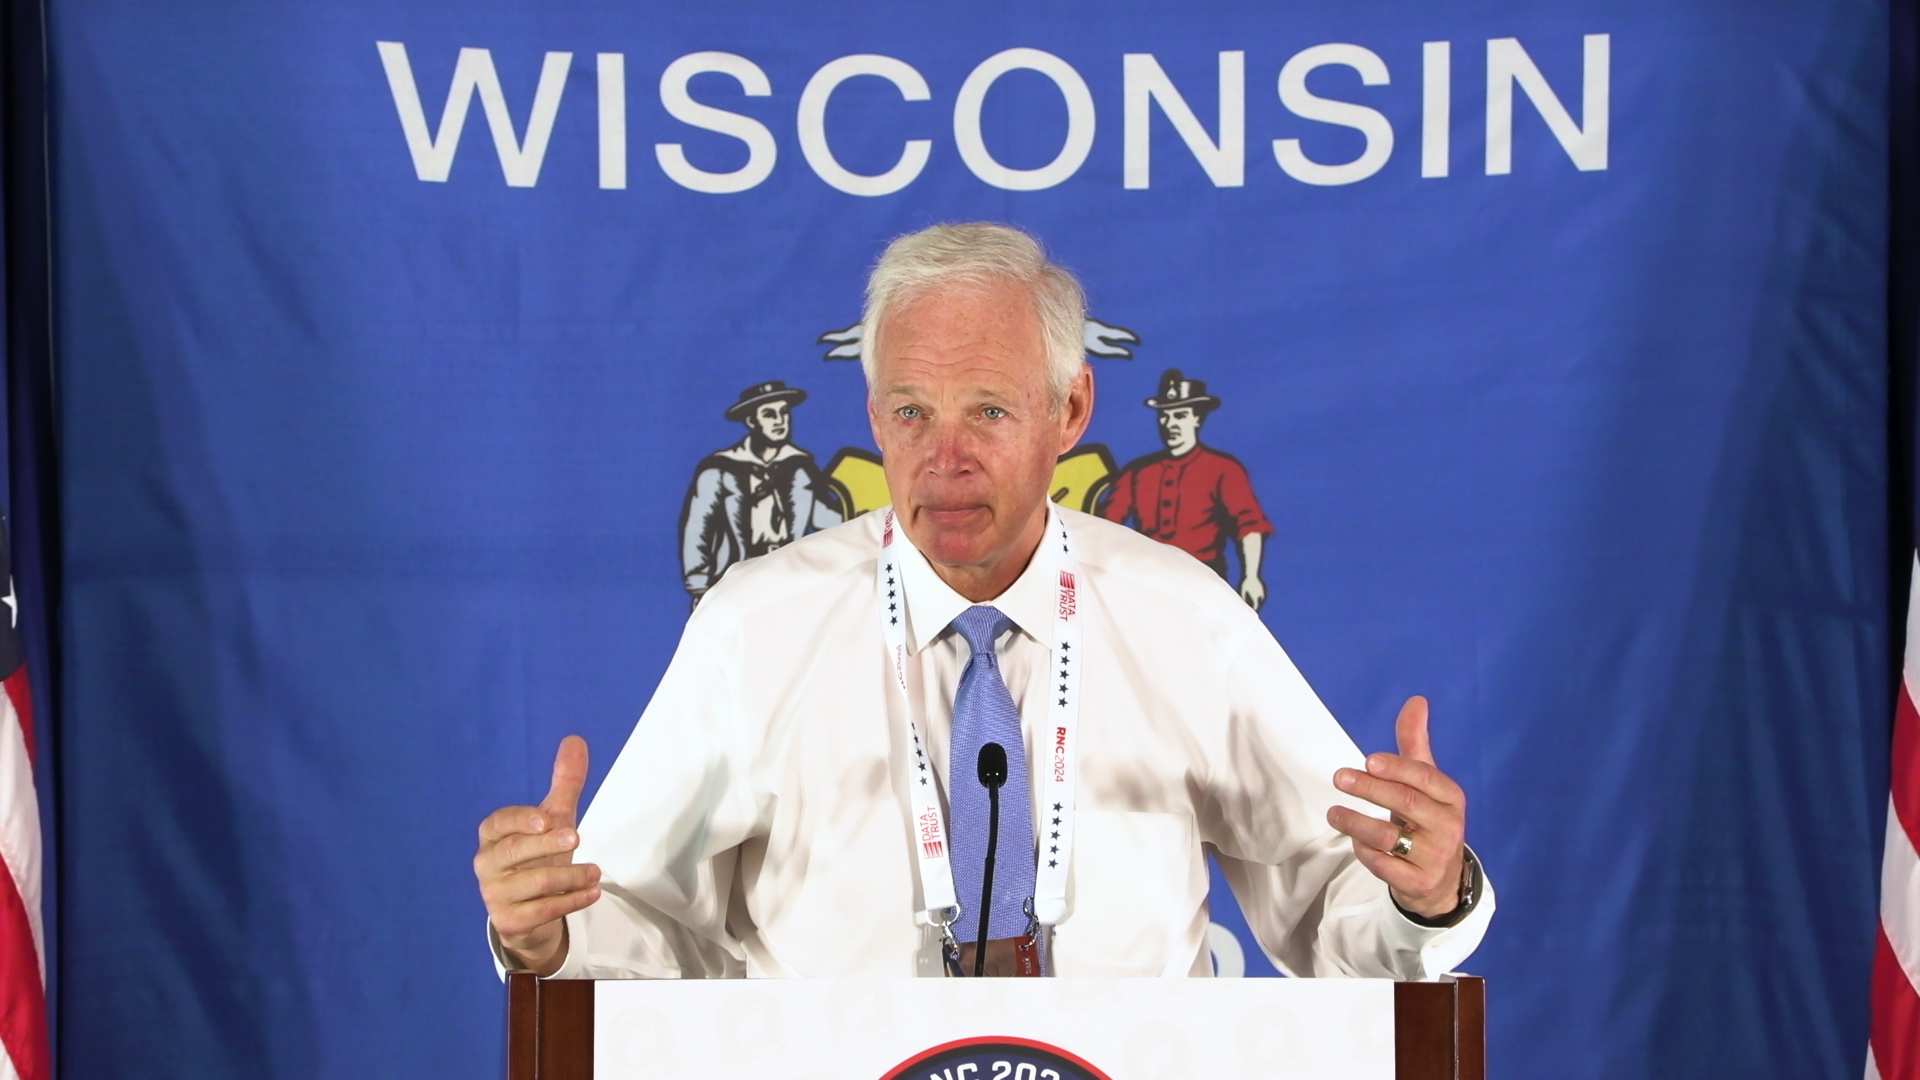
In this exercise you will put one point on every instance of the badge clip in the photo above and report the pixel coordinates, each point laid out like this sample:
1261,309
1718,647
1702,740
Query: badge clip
949,948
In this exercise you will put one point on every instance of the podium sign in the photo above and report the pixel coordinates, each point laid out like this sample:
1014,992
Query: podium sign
996,1029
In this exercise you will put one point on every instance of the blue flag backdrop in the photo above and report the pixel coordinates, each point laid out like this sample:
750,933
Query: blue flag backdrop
402,343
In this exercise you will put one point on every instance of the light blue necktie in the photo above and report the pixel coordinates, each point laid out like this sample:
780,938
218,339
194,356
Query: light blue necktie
984,712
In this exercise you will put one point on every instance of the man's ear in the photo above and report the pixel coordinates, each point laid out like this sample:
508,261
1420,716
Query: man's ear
873,419
1077,409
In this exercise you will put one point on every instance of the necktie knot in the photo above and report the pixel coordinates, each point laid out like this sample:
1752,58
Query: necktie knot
982,625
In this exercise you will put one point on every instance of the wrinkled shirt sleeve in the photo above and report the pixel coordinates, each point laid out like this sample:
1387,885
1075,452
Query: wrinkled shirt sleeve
665,828
1315,909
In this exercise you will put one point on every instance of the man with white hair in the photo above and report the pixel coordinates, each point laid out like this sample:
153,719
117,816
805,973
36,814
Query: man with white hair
810,791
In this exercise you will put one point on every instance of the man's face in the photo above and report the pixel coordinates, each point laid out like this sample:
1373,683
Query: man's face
1180,428
773,421
967,430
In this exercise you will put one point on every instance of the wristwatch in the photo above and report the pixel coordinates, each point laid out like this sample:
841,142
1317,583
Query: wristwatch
1469,896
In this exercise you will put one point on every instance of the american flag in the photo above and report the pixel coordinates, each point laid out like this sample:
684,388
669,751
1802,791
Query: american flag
1895,1051
23,967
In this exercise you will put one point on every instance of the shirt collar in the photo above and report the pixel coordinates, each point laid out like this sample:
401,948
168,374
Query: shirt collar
932,604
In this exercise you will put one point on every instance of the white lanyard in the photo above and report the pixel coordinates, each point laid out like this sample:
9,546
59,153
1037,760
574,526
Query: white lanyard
1058,753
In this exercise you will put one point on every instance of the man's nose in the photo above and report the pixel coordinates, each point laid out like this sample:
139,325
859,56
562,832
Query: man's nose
953,449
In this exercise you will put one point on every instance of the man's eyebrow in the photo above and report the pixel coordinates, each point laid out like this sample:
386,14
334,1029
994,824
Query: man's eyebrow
998,395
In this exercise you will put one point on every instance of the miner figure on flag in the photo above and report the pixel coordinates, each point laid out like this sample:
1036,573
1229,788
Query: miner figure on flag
757,495
1189,494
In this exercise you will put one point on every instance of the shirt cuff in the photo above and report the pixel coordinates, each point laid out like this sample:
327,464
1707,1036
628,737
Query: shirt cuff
1441,949
570,968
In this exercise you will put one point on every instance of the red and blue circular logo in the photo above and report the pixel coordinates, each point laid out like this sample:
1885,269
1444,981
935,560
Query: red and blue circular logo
994,1057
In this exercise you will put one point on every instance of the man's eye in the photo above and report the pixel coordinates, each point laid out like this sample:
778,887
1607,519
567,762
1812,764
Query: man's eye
993,412
909,412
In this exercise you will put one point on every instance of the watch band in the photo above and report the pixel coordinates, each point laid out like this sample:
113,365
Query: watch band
1469,896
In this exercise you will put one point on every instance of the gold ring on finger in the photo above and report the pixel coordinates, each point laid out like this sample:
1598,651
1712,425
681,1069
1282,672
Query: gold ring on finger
1403,846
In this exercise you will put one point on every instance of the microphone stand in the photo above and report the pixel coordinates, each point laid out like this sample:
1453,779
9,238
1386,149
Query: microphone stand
993,774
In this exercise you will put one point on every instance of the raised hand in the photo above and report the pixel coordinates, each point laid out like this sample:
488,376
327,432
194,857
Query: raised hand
1428,808
526,870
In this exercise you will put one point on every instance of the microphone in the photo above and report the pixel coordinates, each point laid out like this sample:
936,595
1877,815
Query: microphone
993,773
993,766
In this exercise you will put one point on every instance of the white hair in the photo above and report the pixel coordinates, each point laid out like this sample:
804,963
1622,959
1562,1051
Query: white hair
941,256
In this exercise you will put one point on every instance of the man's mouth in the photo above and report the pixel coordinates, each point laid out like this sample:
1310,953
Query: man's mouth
951,515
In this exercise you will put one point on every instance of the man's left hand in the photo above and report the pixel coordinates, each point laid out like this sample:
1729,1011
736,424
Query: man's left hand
1425,803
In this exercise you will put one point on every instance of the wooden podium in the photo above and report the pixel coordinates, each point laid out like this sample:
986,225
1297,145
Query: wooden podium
1440,1029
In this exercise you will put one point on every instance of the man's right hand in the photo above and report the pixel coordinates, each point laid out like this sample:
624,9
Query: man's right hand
526,871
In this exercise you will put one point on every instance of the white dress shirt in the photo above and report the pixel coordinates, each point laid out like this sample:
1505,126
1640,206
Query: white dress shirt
757,822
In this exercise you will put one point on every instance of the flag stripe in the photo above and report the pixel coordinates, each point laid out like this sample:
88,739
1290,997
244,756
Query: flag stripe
16,684
1905,788
20,820
23,1001
1900,900
1895,1035
1905,760
1896,1018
